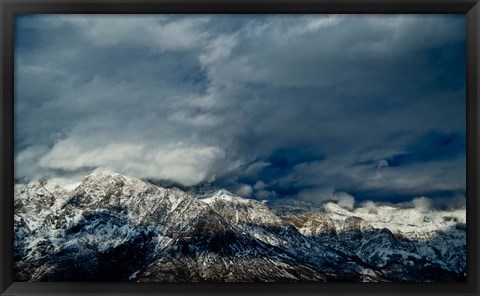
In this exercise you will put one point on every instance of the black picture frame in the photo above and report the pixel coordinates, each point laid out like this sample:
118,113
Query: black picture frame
10,8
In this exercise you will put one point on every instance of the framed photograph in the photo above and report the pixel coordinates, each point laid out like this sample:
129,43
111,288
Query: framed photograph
226,147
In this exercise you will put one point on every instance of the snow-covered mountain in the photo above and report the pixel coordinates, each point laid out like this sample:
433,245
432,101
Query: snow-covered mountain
404,243
111,227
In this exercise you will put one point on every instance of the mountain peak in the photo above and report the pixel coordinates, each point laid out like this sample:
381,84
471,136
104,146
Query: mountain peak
130,227
224,195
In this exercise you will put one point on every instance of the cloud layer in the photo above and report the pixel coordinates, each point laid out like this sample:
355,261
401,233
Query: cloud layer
268,106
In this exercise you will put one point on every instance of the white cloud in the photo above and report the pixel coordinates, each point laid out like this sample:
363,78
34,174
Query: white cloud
343,199
243,190
256,167
259,185
218,49
265,194
382,163
349,175
422,203
200,98
448,203
261,193
157,33
178,162
27,162
313,24
370,206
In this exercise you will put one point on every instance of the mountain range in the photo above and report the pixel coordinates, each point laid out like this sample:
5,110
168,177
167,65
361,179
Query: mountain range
111,227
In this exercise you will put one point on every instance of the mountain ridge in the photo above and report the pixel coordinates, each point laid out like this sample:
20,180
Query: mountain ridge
148,233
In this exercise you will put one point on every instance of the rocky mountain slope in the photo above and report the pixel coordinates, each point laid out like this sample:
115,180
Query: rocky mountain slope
111,227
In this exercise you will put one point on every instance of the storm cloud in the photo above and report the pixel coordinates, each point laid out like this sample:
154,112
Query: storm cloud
269,106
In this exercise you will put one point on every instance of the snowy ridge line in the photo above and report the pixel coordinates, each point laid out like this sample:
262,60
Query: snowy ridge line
140,231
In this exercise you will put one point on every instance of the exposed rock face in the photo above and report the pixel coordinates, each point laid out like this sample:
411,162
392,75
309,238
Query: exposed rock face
115,228
401,244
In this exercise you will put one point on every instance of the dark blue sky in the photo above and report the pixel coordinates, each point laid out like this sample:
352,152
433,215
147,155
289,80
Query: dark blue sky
315,107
